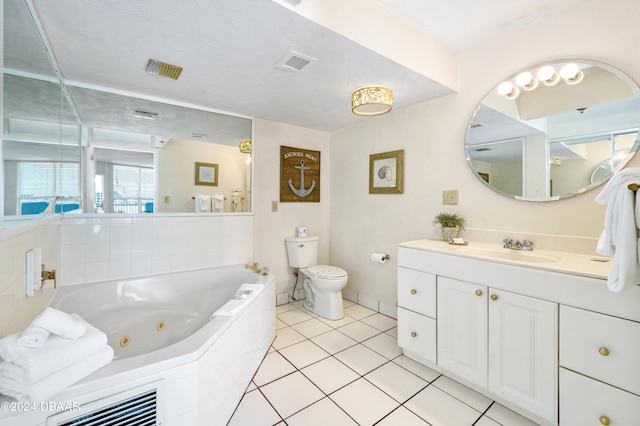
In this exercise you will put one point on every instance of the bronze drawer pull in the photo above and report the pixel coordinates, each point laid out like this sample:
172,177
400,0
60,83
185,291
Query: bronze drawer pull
605,420
604,352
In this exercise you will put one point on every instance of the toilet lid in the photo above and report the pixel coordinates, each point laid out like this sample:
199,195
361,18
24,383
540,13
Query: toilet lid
327,271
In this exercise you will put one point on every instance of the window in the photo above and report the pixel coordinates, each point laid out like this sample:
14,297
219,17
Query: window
48,187
133,189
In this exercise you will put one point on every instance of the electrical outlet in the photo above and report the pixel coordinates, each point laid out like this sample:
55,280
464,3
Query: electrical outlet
167,199
450,196
274,206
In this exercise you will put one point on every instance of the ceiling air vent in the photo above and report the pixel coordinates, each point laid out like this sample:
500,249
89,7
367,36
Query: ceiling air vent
146,115
163,69
294,61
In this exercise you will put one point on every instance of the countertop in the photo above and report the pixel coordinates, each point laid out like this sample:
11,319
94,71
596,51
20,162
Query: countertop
567,263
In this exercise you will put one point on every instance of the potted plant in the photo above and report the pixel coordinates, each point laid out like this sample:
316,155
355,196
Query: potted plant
450,224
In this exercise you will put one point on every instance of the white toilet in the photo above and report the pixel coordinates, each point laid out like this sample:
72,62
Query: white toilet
323,284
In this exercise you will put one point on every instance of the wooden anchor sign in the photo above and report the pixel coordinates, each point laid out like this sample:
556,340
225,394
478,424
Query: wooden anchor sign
297,168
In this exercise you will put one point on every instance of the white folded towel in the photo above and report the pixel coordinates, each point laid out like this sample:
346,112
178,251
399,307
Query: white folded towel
218,203
61,323
620,235
30,365
33,337
203,203
244,295
56,382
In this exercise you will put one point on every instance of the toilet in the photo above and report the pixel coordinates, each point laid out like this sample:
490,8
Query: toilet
323,284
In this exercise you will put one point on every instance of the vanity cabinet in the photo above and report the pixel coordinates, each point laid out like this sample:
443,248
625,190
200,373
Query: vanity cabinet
500,341
555,345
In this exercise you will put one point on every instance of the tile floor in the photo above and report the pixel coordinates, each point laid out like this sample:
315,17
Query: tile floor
352,372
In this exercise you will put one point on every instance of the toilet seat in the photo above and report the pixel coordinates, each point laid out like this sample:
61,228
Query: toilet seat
327,272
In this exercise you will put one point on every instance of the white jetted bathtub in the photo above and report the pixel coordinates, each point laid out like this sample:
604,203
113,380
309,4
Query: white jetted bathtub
181,366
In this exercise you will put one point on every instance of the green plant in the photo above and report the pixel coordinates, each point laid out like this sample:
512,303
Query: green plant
449,220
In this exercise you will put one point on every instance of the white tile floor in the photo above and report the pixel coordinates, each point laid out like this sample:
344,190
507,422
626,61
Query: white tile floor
352,372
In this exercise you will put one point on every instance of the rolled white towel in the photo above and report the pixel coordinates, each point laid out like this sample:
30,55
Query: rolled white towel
61,323
30,365
243,296
33,337
58,381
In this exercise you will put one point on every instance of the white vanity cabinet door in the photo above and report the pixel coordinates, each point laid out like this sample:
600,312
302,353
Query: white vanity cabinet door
417,335
584,401
523,352
462,329
417,291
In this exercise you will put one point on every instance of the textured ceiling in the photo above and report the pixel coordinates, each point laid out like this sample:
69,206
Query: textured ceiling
229,49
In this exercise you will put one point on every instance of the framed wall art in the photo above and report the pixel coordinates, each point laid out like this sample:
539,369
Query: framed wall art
299,175
386,172
206,174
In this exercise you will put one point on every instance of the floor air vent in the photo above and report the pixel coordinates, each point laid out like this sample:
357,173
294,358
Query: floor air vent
137,410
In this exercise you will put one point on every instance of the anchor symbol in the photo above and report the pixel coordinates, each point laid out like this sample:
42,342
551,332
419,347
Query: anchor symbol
301,192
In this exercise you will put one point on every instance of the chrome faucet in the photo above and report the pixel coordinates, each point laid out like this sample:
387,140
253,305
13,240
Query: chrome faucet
508,242
527,245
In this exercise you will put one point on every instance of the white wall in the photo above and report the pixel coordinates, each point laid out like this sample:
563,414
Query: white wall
271,228
432,136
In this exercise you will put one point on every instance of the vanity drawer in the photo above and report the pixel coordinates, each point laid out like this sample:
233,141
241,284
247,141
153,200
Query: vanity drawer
584,401
417,334
600,346
417,291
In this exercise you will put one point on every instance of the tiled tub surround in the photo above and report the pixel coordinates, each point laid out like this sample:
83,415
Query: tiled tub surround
199,380
105,247
519,326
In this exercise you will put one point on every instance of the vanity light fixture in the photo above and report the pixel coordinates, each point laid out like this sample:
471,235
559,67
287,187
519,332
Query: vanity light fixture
245,147
371,100
506,88
570,73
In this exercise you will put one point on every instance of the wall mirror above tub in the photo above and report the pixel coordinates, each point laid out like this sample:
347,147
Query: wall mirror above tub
554,130
66,147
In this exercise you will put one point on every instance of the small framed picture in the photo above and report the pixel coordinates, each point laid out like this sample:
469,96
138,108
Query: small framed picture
386,172
206,174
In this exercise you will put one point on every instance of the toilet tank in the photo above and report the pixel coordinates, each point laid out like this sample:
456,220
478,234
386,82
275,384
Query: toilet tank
302,251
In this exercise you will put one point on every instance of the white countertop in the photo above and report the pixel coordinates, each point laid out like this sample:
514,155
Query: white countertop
568,263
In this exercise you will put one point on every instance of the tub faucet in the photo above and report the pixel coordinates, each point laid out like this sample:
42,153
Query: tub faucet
527,245
517,245
255,268
48,275
508,242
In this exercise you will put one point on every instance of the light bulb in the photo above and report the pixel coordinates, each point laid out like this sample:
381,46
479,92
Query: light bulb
569,71
505,88
548,75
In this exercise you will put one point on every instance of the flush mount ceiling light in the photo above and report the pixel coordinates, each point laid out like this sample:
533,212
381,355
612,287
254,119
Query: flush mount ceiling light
146,115
245,147
163,69
371,100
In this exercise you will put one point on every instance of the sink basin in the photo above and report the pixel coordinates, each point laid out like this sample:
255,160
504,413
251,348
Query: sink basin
511,255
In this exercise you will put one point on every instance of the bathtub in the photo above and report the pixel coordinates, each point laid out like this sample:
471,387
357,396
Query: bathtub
165,344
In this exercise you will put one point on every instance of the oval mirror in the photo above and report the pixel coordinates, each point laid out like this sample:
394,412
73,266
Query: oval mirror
554,130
